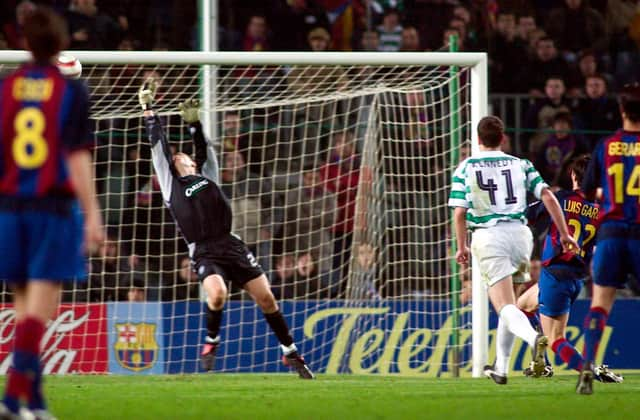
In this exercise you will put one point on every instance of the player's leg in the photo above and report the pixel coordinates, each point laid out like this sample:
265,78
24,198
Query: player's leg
502,297
16,386
260,291
528,303
610,263
216,292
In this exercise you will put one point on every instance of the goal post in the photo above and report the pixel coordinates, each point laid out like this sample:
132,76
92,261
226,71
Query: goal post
286,111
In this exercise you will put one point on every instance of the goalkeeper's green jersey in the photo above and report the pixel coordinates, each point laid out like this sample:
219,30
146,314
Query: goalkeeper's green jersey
493,186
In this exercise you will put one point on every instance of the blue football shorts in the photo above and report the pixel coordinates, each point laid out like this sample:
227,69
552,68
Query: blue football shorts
617,254
41,245
557,294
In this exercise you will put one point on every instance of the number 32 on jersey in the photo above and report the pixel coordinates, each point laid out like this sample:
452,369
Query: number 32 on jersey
30,149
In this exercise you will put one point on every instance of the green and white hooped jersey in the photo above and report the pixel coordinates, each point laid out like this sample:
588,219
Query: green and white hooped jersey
493,186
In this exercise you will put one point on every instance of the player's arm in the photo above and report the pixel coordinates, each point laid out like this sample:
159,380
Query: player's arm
206,159
458,200
160,151
81,175
78,142
460,226
591,181
555,211
541,191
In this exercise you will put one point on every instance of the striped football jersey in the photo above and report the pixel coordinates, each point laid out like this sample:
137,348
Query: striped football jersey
493,187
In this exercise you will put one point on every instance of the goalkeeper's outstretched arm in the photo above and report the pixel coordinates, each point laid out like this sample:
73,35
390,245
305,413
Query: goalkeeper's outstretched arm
206,159
160,151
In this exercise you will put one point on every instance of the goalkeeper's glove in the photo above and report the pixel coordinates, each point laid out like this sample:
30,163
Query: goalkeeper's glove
190,110
146,93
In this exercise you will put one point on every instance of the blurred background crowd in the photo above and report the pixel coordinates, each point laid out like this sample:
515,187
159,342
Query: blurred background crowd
554,67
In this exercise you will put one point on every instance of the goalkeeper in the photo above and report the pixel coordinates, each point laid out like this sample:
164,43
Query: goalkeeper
202,212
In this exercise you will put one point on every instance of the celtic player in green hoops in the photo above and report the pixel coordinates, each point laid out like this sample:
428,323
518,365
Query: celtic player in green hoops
489,197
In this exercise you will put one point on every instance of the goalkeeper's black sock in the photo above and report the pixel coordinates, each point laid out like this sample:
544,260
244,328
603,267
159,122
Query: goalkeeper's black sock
214,318
280,328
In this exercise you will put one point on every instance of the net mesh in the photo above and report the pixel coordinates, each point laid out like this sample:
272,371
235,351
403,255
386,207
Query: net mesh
338,178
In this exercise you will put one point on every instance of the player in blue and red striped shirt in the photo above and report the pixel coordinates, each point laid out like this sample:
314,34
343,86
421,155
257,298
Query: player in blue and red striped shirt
562,272
615,168
46,179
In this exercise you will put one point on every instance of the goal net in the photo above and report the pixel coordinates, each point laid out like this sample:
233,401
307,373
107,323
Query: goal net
338,170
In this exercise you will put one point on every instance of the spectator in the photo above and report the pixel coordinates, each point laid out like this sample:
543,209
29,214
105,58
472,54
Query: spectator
476,36
13,30
390,31
508,54
298,18
526,24
446,35
136,292
587,67
597,111
340,176
461,26
534,36
559,147
90,29
231,129
255,37
110,272
547,63
310,212
370,41
540,115
623,26
576,26
319,39
365,273
410,39
311,80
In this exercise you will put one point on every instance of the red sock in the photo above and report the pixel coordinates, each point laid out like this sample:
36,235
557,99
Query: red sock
25,371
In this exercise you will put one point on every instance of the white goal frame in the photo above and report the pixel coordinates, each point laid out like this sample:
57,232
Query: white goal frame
476,62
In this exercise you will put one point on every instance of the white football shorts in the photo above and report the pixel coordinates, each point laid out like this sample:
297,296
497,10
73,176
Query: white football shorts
503,250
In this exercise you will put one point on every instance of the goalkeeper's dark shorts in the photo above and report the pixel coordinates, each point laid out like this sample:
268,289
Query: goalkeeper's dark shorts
228,257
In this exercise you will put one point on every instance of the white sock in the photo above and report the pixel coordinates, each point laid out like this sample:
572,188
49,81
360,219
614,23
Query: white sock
210,340
504,345
518,324
288,350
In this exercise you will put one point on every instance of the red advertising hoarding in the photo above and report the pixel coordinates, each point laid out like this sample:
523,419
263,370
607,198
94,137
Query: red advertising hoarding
75,341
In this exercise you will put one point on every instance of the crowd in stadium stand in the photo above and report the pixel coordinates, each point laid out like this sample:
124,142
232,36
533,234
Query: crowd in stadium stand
568,57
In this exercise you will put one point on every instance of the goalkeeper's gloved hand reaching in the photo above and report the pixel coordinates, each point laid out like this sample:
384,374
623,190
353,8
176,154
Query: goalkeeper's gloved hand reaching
190,110
147,93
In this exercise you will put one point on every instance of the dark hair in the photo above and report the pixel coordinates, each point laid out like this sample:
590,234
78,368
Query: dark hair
491,131
629,100
46,33
563,116
579,166
597,76
545,39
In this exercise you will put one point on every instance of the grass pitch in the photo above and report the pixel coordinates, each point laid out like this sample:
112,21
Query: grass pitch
276,396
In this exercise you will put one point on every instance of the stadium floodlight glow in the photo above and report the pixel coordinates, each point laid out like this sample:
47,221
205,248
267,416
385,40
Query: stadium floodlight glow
282,112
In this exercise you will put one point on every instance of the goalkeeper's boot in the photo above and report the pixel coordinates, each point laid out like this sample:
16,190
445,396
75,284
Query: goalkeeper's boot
208,356
539,348
297,362
548,371
585,380
603,374
491,373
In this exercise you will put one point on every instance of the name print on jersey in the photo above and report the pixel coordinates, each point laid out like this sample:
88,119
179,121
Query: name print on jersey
191,190
582,209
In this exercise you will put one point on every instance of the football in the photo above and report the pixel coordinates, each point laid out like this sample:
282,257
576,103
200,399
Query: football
69,66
